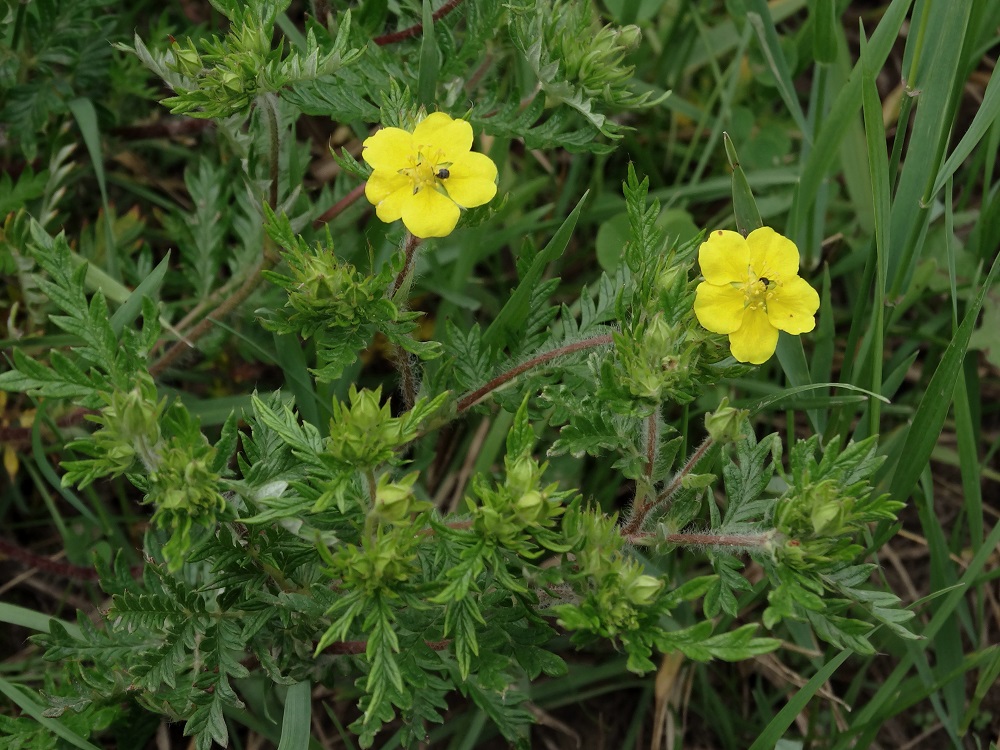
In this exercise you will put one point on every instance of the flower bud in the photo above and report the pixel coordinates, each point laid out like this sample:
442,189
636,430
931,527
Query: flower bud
723,425
643,589
659,336
521,475
365,411
232,82
629,36
530,506
393,500
187,61
827,512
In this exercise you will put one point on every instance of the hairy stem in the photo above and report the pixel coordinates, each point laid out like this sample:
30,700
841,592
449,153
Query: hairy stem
471,399
707,539
63,569
410,249
407,376
269,104
652,438
641,511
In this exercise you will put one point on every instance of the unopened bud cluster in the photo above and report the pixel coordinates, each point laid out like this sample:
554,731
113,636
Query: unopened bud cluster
592,57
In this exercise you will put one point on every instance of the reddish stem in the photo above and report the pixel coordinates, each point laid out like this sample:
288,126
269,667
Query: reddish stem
471,399
63,569
340,206
652,435
399,36
358,647
32,560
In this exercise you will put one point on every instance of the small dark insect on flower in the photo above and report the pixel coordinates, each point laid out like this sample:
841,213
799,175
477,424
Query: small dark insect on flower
443,174
765,281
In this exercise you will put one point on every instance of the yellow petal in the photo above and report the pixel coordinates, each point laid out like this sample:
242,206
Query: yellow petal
724,258
439,132
772,255
473,165
430,214
793,307
390,208
381,184
755,340
472,181
390,149
719,308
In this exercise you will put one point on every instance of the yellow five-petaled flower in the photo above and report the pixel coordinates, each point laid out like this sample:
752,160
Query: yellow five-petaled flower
752,289
427,176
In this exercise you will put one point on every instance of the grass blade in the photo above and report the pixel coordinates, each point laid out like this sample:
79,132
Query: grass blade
295,723
933,408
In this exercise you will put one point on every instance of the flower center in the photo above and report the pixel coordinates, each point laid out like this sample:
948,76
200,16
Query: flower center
428,169
757,291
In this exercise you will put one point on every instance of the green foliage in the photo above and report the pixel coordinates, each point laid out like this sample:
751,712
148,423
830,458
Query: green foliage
336,533
335,304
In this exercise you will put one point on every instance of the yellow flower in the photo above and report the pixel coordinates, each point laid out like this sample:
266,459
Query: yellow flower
751,290
426,176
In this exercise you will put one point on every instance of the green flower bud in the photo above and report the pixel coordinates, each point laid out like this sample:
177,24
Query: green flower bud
187,61
723,425
629,36
827,512
659,337
668,277
366,411
521,475
643,589
530,506
697,481
232,82
394,500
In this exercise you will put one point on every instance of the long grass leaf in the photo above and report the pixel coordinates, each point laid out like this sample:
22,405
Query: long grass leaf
878,167
515,311
295,722
940,88
763,25
86,118
837,122
930,414
775,730
985,116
